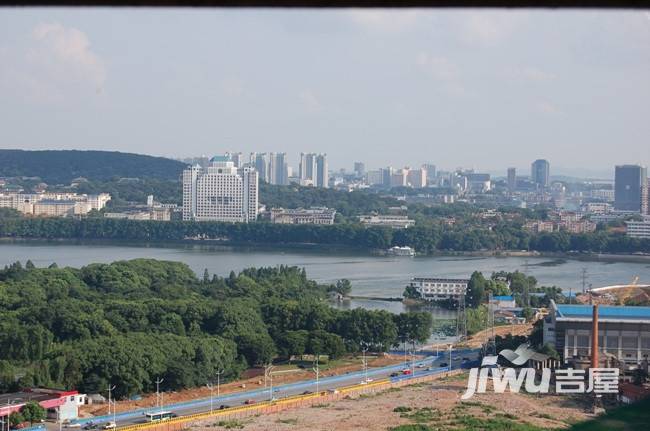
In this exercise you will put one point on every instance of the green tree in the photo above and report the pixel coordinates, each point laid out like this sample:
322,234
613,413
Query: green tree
475,290
33,412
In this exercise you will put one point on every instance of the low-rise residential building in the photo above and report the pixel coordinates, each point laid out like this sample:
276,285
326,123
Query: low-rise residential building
393,221
503,301
435,289
314,215
59,404
638,229
539,226
53,204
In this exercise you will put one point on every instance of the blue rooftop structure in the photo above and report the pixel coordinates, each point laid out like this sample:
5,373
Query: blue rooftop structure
221,159
604,311
503,298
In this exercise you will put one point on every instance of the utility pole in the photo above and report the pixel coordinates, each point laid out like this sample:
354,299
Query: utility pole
158,394
584,279
461,319
526,287
317,371
450,347
219,373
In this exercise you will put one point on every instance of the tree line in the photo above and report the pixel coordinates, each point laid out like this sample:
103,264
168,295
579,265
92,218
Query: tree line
129,322
425,239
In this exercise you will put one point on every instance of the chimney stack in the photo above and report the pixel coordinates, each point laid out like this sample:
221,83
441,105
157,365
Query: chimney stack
594,338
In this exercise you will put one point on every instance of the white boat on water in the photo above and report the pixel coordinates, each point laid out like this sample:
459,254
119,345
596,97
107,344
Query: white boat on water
400,251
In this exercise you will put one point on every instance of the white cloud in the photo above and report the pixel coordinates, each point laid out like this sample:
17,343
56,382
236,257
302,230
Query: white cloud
53,64
548,108
445,72
529,73
310,100
489,28
384,20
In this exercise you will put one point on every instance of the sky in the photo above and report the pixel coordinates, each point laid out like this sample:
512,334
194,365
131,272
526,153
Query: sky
482,89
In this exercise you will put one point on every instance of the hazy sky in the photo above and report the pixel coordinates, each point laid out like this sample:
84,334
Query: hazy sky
482,89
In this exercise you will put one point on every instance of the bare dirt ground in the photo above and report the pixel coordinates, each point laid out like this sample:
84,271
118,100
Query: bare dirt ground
254,380
435,404
478,339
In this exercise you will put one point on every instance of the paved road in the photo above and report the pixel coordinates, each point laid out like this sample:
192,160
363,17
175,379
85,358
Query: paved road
431,364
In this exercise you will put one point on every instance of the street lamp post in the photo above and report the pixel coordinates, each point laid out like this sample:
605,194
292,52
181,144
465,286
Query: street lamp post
364,349
269,371
10,402
317,371
159,394
218,373
450,347
211,387
110,390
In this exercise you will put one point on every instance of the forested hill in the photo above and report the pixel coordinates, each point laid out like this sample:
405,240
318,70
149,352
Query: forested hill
62,166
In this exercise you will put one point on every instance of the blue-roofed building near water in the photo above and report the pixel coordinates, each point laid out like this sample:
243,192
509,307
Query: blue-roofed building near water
623,334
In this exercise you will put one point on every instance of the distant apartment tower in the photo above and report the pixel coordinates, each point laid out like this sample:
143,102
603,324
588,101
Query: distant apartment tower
237,159
261,163
431,172
631,188
307,169
386,176
540,173
322,173
359,169
278,172
220,192
417,178
512,179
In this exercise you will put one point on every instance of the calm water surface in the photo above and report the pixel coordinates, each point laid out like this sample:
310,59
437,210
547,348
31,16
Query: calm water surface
372,276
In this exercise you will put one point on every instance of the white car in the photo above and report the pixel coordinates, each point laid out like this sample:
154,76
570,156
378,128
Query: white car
110,426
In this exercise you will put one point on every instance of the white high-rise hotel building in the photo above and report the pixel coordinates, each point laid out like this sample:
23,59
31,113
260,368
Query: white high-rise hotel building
220,192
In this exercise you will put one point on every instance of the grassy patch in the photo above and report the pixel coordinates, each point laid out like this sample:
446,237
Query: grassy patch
633,417
423,415
402,409
289,421
471,423
319,406
412,427
230,425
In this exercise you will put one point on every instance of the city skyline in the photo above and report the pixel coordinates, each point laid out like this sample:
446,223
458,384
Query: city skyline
452,88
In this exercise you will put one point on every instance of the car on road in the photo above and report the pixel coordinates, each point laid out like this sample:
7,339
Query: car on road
394,374
444,364
466,359
420,365
457,358
306,392
223,407
91,426
406,372
333,391
75,425
110,426
248,402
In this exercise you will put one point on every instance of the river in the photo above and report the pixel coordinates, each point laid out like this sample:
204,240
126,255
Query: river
371,276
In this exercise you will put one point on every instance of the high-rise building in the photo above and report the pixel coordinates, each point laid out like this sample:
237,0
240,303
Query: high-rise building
237,159
359,169
261,163
307,169
220,192
322,173
540,173
417,178
278,172
512,179
386,174
431,172
630,188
